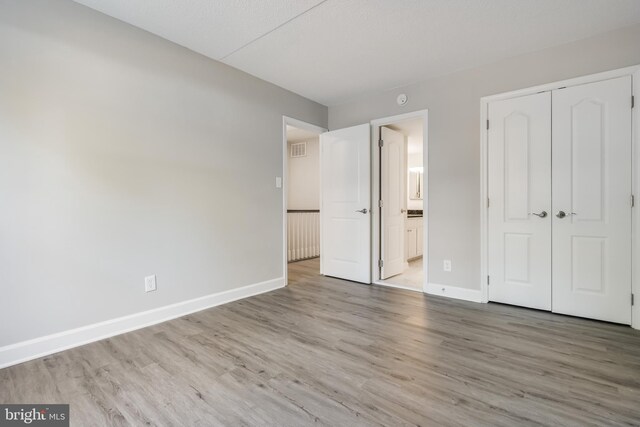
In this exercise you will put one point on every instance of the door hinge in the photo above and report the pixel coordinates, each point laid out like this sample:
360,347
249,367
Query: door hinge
380,143
633,101
380,203
487,124
488,203
633,201
488,280
632,300
380,263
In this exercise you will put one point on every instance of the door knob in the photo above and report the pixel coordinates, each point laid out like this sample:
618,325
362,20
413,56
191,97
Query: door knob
542,214
562,214
364,211
402,210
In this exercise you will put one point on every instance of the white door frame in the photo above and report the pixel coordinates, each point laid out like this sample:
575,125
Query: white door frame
375,191
633,71
285,183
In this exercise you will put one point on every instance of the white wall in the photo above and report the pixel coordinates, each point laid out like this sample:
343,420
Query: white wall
454,135
124,155
304,178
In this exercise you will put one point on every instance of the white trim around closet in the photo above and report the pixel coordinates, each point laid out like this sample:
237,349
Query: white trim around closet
633,71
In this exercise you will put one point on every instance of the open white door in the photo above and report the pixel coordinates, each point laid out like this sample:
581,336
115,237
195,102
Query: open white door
345,215
394,198
592,200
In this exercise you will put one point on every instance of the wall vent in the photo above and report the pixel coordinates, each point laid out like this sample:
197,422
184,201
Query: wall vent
299,149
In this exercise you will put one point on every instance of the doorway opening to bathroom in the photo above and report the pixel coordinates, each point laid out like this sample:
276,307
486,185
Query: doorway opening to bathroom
301,199
400,171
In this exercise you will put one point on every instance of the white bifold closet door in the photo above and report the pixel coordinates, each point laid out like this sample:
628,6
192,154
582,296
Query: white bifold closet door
592,200
560,174
520,197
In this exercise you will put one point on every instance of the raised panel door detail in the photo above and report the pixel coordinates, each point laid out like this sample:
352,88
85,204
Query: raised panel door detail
517,255
345,251
344,172
516,170
588,264
395,198
588,160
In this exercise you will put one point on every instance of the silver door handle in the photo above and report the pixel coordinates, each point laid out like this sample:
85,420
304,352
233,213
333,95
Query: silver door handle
542,214
364,211
562,214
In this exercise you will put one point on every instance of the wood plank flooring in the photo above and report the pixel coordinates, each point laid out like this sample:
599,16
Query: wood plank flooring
328,352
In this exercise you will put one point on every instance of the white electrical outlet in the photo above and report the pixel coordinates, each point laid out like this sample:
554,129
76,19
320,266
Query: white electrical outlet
446,265
150,283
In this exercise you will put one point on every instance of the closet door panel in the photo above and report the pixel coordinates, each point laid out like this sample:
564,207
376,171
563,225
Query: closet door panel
592,200
519,146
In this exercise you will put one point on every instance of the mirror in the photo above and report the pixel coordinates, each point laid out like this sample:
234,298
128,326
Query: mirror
415,184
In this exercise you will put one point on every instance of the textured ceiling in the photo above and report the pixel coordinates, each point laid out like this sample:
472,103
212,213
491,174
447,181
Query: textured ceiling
215,28
333,50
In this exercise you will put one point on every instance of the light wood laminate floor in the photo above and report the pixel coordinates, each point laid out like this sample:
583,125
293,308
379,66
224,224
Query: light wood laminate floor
328,352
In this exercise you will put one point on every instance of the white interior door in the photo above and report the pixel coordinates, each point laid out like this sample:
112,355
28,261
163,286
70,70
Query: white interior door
394,198
519,145
592,200
345,215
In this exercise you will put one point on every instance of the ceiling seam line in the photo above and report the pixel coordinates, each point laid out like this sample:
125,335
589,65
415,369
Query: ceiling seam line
271,31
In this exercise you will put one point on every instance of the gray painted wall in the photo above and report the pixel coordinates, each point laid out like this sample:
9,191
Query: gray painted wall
454,135
124,155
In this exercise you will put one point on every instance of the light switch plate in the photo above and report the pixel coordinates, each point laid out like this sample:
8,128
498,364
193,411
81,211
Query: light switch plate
278,182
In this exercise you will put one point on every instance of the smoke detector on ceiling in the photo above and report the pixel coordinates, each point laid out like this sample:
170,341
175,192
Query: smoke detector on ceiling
402,99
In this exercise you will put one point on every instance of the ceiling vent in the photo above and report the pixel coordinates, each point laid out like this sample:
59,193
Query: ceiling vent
299,149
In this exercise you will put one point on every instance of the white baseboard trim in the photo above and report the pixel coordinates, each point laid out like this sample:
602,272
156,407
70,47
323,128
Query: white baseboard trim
474,295
14,354
392,285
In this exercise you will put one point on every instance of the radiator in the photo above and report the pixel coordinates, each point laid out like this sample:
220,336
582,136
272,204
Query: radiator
303,235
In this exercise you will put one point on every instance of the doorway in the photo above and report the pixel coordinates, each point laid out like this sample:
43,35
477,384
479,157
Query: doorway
350,219
400,188
301,198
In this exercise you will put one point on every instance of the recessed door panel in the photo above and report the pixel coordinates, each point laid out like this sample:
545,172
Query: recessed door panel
588,255
343,172
517,255
592,200
520,200
517,175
